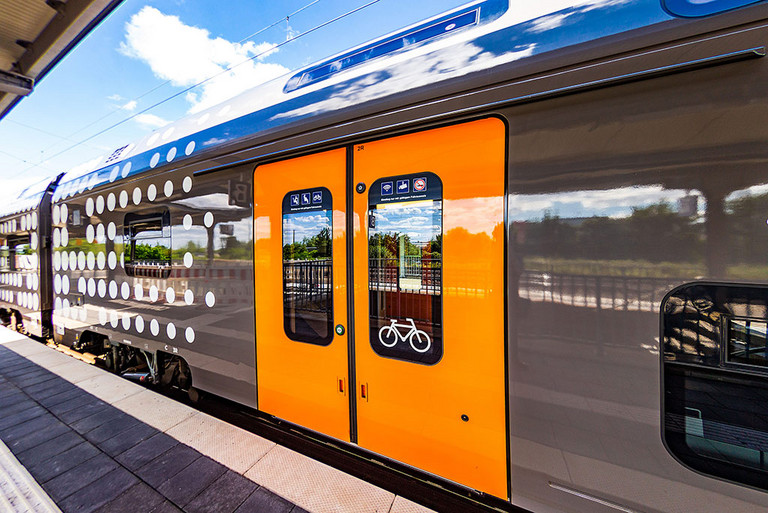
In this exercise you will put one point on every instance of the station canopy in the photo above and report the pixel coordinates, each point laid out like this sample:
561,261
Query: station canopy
35,35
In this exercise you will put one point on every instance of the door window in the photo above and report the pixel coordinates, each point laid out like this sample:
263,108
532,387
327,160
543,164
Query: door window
307,266
405,231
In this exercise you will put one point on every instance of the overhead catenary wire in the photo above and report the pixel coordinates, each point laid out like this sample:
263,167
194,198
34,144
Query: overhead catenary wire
163,84
226,70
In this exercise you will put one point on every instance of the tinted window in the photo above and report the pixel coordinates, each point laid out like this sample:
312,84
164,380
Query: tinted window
715,380
307,266
696,8
405,232
148,244
17,254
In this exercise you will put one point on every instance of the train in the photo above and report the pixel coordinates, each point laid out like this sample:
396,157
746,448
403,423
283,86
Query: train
518,247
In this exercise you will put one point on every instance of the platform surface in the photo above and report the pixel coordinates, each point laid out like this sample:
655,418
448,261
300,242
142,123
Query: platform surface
82,440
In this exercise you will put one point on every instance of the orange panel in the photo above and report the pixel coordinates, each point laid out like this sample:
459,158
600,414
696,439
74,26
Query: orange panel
299,381
413,412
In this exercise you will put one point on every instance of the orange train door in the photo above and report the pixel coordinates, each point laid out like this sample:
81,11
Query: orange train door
300,249
429,301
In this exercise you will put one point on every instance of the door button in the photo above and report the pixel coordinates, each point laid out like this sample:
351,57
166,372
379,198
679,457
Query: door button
339,329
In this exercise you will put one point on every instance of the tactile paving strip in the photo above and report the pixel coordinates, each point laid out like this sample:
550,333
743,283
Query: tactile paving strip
19,493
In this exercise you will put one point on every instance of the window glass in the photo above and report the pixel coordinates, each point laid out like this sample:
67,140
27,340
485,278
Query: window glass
696,8
16,254
148,244
715,380
747,342
405,232
307,227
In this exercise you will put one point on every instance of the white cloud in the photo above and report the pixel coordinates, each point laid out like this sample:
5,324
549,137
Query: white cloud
150,120
186,55
550,22
129,106
115,97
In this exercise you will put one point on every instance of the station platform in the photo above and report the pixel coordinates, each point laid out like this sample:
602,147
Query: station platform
76,438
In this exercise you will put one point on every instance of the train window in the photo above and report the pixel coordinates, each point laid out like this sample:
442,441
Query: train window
147,239
696,8
17,254
716,381
307,266
405,231
747,342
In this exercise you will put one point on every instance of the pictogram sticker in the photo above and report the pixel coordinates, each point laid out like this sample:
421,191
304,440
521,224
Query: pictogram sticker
419,184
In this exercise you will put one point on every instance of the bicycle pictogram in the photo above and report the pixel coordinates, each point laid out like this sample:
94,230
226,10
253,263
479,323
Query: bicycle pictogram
418,339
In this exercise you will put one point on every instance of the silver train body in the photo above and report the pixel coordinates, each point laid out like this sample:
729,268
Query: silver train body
636,203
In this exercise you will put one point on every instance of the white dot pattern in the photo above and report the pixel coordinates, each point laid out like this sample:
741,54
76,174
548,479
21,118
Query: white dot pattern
123,199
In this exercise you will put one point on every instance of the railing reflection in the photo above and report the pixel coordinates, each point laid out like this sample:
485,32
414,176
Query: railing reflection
411,274
307,284
595,291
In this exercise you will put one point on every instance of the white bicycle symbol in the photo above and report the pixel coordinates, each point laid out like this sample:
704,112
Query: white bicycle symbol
419,340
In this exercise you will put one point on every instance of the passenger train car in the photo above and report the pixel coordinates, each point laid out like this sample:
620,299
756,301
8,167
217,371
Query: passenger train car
518,247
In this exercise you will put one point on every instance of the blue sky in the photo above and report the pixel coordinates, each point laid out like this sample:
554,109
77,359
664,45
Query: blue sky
147,51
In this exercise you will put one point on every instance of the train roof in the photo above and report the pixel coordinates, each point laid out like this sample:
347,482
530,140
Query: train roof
28,199
474,38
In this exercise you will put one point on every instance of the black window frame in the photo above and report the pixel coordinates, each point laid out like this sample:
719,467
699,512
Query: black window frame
713,408
384,191
319,272
160,268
